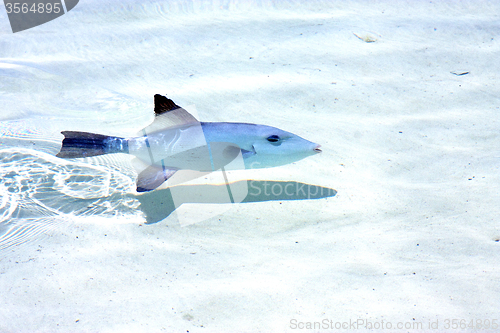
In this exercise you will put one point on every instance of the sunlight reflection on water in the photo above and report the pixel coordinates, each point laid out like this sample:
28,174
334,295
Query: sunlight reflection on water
38,191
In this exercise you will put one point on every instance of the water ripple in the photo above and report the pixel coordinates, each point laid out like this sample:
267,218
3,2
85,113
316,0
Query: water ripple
38,191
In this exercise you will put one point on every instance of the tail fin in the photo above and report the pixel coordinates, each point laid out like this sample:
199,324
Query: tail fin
82,144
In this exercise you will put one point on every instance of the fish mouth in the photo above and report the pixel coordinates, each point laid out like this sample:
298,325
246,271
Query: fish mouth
316,149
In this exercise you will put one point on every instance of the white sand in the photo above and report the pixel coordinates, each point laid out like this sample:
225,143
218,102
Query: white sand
411,148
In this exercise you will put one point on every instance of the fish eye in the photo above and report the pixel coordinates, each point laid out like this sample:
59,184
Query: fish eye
273,138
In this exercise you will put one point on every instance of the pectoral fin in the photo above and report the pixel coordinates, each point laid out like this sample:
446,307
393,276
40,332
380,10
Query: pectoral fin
152,177
248,153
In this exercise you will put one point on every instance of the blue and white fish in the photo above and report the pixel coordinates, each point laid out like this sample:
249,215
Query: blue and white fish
177,141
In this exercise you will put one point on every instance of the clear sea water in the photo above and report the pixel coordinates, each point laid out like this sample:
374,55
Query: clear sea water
401,96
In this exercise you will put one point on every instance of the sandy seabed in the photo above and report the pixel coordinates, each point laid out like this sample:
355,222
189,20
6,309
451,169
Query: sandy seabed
403,97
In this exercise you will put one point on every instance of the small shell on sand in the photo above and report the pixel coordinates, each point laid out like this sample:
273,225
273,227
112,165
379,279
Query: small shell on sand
366,37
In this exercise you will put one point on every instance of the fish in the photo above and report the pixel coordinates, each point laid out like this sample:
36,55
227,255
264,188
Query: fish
176,140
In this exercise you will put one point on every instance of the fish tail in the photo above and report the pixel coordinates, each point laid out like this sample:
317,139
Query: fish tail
83,144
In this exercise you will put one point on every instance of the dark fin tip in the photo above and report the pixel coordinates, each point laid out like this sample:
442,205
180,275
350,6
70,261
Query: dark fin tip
163,104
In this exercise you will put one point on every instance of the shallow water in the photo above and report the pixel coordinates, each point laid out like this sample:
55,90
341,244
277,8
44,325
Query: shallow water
411,148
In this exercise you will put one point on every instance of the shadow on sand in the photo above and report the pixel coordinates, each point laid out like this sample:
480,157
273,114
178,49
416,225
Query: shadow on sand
159,204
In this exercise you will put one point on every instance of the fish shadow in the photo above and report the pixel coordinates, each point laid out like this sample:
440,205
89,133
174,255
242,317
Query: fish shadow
158,205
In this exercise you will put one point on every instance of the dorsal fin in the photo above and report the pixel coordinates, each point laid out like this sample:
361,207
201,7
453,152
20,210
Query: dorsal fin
168,114
163,104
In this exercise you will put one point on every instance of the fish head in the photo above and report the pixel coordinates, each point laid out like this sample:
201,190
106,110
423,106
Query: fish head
272,146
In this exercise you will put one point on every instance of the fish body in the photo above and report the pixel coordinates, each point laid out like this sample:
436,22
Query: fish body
177,141
262,146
